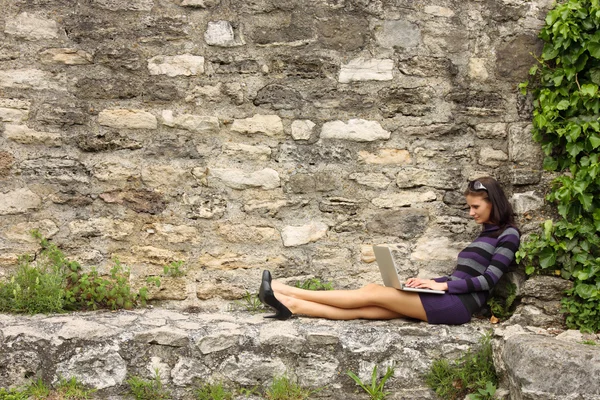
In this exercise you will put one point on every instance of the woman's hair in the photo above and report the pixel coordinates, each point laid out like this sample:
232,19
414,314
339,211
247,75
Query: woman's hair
490,190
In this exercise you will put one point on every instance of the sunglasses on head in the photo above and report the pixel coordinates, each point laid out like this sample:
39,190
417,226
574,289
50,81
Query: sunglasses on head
476,185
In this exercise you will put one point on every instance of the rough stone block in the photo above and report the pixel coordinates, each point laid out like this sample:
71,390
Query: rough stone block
358,130
61,170
221,33
522,150
403,199
18,201
439,11
270,125
246,151
339,205
279,28
166,176
477,69
198,3
125,5
495,130
385,157
372,180
184,64
343,32
31,27
151,255
116,171
438,248
240,233
302,129
528,201
535,368
101,227
14,110
22,134
279,97
127,119
523,176
491,157
266,178
190,122
299,235
144,201
423,66
6,163
361,69
22,232
513,58
439,179
405,223
65,56
397,33
28,78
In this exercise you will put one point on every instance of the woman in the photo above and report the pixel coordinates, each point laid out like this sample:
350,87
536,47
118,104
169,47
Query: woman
478,269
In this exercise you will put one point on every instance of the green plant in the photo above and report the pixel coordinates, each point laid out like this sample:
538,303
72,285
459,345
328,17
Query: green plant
174,269
375,390
283,388
470,373
50,283
502,308
37,389
12,394
213,391
72,389
314,284
484,394
590,342
566,123
251,303
247,392
145,389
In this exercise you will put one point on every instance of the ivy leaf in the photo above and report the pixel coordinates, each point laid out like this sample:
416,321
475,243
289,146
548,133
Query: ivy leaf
574,148
594,140
563,104
550,164
593,48
595,75
529,269
589,89
547,258
586,291
550,52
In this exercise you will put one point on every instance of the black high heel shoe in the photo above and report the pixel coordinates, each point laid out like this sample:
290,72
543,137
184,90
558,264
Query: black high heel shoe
267,297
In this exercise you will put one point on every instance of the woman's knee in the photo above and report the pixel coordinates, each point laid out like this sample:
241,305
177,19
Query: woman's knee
371,287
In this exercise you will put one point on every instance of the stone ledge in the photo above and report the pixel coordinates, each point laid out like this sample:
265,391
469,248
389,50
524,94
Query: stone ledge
103,349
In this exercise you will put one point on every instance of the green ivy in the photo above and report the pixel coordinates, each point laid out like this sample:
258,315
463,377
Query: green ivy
566,123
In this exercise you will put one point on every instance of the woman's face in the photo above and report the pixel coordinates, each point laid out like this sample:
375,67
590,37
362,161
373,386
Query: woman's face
479,208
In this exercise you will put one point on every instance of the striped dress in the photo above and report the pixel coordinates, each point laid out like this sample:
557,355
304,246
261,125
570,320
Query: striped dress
478,269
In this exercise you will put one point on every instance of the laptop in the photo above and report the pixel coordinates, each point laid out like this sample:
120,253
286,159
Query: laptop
387,267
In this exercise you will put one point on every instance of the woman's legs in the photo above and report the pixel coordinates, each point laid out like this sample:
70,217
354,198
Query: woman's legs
371,302
312,309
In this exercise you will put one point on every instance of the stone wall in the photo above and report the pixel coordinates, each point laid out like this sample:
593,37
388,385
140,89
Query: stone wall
242,135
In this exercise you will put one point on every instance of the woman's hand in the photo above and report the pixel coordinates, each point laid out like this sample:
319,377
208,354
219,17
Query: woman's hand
426,284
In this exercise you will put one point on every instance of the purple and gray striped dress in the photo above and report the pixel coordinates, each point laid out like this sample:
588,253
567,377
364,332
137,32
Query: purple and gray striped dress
478,269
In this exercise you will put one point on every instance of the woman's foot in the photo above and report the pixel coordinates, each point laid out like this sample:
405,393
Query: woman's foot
267,297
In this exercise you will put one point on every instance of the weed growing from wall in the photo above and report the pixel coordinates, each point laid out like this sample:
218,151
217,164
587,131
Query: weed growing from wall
473,373
374,388
566,123
52,283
